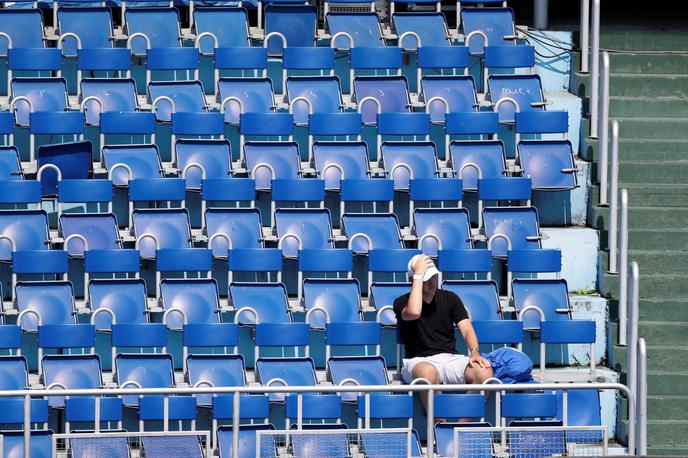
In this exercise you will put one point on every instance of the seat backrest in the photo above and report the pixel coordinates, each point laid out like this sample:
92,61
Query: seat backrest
188,97
383,230
9,163
115,94
143,160
149,370
496,23
100,231
364,28
384,295
366,370
549,164
583,409
241,225
450,225
160,446
298,24
229,25
294,371
73,371
430,27
526,90
198,298
283,157
52,300
352,157
215,156
268,299
488,155
93,26
24,26
391,91
476,444
41,441
125,297
458,91
169,226
28,229
517,223
220,370
256,95
323,92
419,157
14,373
340,297
551,296
311,226
45,94
160,25
247,440
480,297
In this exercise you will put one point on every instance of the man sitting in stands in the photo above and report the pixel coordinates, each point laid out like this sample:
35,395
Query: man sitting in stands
426,317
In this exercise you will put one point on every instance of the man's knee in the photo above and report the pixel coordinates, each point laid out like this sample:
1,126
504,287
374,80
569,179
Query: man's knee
426,371
477,374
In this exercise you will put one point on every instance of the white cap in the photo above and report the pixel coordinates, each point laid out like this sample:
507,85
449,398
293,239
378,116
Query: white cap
429,273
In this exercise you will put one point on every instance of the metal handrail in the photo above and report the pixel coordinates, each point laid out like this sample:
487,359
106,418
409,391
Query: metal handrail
631,327
595,67
623,268
641,415
614,202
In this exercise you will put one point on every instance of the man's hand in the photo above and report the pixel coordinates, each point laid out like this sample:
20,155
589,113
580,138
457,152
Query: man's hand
476,360
422,264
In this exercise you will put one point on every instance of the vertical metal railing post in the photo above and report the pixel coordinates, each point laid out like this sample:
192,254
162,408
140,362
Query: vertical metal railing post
430,451
623,268
585,36
632,361
27,425
641,401
602,132
614,200
595,67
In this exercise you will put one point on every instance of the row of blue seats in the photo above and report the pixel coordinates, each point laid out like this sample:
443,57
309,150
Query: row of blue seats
230,27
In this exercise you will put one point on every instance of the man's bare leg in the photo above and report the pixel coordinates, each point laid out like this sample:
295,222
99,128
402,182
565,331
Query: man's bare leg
428,372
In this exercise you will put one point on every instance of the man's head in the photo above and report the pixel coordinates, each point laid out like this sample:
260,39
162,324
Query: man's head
422,265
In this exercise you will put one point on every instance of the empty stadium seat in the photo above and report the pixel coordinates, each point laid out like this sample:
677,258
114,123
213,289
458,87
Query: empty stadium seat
431,28
39,94
550,296
390,91
159,25
143,161
188,97
296,23
549,164
488,157
285,371
93,26
244,95
336,161
494,26
228,25
480,297
458,92
524,90
363,192
197,298
303,229
364,29
359,370
23,229
213,156
125,298
406,161
52,301
41,442
168,228
378,231
323,94
241,226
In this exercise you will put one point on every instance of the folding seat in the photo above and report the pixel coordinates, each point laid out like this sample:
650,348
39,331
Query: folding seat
389,93
405,161
295,191
30,95
440,228
381,297
41,440
241,226
10,168
324,409
515,93
460,406
285,371
507,57
24,27
363,28
93,26
51,301
124,297
489,26
335,161
533,262
314,88
266,160
160,227
226,24
549,296
306,228
330,299
34,60
184,60
355,370
202,159
159,25
472,160
430,28
582,409
131,162
445,94
264,302
111,61
381,294
297,24
22,229
383,407
111,95
62,123
187,96
247,432
202,125
246,94
197,298
372,231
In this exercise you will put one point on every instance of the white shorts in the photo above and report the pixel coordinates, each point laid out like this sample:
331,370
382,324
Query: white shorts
450,367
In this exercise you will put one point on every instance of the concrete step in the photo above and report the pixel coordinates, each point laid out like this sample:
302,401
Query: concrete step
636,85
653,172
668,433
640,149
660,195
658,357
653,128
655,261
660,107
667,407
644,63
664,309
644,41
674,383
643,217
652,286
667,451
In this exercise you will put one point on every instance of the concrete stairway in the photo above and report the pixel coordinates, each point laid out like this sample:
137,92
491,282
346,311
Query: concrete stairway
649,97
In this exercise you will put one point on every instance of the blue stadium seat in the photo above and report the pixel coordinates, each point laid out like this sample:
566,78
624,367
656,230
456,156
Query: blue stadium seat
525,90
93,26
519,224
365,191
14,371
442,229
568,332
197,298
160,446
46,263
202,125
364,28
256,94
336,161
218,369
373,60
113,94
149,370
44,94
214,156
41,440
379,231
341,298
390,91
550,296
293,371
477,444
34,60
143,162
23,229
170,227
25,28
271,160
188,97
98,229
488,156
321,407
549,164
322,92
431,28
511,57
10,167
382,295
62,123
365,370
53,301
583,409
160,25
228,25
247,439
126,298
296,23
173,59
303,228
458,91
406,161
102,59
242,226
494,24
298,191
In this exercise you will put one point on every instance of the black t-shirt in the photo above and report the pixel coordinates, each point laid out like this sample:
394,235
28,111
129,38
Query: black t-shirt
433,332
